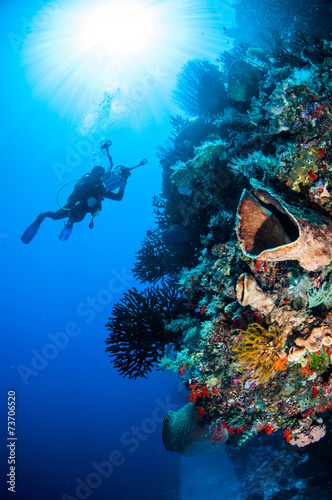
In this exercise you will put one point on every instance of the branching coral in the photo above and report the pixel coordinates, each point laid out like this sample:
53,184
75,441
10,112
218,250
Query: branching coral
166,248
259,352
226,58
230,119
150,265
255,164
317,296
200,89
173,152
283,54
164,254
160,209
207,180
209,156
138,336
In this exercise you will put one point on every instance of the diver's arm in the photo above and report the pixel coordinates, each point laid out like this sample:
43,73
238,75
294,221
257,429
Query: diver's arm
115,196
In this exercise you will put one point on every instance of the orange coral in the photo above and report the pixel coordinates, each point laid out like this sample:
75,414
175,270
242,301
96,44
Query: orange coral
280,364
288,435
198,391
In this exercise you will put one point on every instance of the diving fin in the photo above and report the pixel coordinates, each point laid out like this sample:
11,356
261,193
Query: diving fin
65,232
31,231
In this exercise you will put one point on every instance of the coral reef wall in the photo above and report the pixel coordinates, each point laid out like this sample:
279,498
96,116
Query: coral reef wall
247,198
256,329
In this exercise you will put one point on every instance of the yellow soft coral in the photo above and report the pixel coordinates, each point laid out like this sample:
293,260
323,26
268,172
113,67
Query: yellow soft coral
258,352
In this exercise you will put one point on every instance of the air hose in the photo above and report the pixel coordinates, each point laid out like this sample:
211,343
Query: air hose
57,196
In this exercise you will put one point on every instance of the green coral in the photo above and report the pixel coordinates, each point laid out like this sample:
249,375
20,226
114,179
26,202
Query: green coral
318,296
319,362
207,156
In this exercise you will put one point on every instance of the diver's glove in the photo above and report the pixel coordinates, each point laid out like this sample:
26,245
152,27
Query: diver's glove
125,173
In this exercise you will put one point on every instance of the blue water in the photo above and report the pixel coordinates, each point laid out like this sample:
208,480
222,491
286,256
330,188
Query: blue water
82,430
74,412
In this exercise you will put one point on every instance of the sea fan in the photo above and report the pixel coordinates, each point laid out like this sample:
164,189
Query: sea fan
138,335
200,90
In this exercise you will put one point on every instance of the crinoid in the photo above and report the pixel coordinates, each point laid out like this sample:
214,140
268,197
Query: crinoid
258,352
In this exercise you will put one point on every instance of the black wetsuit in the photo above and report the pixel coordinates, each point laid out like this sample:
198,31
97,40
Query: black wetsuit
89,187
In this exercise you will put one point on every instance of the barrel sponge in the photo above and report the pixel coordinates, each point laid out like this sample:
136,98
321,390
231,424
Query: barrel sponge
270,229
184,434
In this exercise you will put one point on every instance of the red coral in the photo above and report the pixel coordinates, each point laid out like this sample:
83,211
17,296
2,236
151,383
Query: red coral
239,323
182,370
257,318
205,391
197,391
257,265
200,412
312,176
288,435
235,430
192,398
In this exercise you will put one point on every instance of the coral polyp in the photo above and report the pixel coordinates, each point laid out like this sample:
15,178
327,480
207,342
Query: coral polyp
259,352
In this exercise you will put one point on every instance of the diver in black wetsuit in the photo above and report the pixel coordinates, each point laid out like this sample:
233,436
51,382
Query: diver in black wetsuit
86,198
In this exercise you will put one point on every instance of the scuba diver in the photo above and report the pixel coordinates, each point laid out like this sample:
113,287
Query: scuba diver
86,197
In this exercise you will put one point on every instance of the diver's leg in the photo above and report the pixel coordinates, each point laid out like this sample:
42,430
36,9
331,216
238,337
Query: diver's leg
75,216
32,230
66,231
58,215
